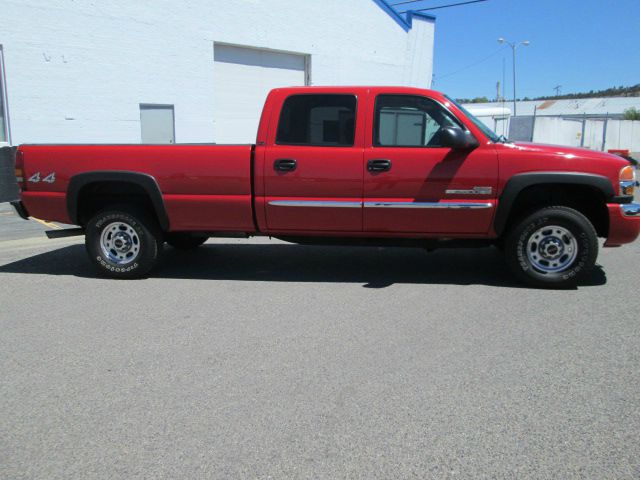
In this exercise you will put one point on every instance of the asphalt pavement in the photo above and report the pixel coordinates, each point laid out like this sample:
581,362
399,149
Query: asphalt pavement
261,359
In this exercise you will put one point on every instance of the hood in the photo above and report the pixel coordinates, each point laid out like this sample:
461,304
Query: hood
522,157
568,153
569,158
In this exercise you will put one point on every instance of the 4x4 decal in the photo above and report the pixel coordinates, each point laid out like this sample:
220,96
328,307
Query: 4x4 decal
35,178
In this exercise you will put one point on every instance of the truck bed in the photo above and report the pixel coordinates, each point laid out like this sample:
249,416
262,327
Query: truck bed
204,187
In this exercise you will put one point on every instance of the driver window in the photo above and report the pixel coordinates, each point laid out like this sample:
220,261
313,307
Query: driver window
409,121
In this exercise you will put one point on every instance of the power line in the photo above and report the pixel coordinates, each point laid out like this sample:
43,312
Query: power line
402,3
440,77
443,6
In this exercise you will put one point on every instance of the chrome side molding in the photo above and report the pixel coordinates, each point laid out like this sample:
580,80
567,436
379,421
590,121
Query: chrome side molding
339,204
315,203
431,205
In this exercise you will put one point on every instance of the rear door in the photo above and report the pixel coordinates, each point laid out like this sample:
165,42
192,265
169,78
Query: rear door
414,184
313,174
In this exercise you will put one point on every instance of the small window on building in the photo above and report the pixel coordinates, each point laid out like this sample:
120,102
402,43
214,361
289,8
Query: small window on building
409,121
4,120
157,124
322,120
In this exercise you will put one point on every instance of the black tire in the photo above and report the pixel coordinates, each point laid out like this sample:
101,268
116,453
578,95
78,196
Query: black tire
548,257
130,227
185,241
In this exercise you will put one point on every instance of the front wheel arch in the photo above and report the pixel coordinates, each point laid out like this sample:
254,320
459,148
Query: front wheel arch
525,192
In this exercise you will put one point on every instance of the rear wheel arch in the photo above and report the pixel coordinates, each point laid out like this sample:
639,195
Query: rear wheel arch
524,193
90,192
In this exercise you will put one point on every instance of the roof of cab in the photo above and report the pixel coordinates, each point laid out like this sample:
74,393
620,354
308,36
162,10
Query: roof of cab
359,89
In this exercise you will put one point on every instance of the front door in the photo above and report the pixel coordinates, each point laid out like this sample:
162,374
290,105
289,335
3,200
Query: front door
413,184
313,167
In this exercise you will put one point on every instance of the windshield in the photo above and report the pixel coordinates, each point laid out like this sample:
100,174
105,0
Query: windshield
486,130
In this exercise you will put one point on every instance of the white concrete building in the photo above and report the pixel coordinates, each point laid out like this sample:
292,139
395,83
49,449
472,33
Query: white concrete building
163,71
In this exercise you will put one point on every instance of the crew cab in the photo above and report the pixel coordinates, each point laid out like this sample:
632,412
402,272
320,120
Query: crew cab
341,165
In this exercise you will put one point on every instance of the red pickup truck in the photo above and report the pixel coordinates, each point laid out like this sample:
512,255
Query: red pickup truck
341,165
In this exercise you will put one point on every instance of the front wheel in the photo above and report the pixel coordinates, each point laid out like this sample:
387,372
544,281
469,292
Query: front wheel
553,247
123,243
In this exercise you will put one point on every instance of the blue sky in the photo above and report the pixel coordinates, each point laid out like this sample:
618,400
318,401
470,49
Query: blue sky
580,44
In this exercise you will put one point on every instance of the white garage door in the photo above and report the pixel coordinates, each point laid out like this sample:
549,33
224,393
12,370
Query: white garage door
242,79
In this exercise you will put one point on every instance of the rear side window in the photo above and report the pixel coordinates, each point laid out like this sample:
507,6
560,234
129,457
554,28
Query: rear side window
318,120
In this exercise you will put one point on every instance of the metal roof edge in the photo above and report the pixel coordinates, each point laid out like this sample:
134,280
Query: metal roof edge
420,15
405,23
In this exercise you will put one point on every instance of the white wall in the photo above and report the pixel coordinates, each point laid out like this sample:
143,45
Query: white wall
557,131
77,71
621,134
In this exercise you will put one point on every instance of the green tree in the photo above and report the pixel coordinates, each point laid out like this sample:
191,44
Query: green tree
631,114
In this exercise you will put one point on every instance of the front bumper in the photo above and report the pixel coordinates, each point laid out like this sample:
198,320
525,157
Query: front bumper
624,223
20,209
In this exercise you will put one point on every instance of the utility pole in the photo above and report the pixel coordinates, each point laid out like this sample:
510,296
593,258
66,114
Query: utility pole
498,91
514,46
557,89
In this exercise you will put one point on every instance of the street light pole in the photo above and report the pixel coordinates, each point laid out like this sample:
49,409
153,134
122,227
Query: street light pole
513,49
514,46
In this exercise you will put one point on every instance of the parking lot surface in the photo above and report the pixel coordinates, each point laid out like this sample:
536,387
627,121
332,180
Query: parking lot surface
261,359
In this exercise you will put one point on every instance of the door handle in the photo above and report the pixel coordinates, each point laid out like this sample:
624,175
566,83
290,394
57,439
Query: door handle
285,165
379,165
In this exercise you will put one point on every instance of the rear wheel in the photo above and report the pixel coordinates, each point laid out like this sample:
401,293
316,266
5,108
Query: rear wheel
553,247
123,242
185,241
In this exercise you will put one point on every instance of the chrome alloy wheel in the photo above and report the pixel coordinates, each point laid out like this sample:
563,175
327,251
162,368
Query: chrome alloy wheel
552,249
120,243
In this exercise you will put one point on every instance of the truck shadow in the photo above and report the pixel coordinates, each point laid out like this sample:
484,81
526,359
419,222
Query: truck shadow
373,267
